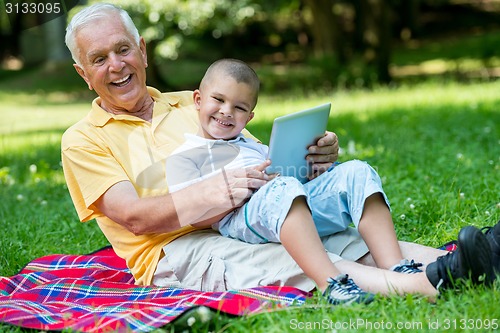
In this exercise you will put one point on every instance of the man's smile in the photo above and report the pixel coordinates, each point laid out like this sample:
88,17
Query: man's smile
123,81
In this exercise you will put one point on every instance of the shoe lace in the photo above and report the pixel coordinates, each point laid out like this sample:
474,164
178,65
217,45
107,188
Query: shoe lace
345,285
408,267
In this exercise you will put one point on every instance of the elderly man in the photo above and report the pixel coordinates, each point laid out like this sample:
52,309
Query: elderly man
114,160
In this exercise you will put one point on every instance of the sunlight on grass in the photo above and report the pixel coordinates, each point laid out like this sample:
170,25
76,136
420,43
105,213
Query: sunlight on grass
467,66
20,116
363,102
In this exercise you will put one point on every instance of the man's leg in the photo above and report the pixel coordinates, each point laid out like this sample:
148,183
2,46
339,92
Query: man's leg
471,261
386,282
419,253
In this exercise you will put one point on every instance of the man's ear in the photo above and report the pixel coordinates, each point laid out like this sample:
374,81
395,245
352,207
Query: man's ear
142,47
81,72
197,99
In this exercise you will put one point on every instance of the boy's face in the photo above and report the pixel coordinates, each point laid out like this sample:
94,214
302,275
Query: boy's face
225,107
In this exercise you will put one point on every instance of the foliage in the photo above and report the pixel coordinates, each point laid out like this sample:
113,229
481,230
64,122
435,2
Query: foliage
168,23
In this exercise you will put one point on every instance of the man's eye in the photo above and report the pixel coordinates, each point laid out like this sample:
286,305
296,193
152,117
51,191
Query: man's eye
98,61
124,50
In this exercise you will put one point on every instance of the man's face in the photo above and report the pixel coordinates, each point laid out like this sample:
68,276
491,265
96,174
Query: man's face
225,107
113,64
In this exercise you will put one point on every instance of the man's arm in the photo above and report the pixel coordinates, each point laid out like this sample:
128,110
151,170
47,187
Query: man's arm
207,200
323,154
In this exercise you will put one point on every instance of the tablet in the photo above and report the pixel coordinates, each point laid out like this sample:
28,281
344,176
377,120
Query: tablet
291,135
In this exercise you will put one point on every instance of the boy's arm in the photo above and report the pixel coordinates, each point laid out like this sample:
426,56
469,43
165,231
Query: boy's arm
181,171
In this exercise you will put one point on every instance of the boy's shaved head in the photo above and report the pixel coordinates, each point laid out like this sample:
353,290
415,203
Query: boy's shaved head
237,70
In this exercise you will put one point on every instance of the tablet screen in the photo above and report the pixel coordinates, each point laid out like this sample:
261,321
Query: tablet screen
291,135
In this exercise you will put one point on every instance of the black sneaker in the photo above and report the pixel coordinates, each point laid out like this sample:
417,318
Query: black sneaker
343,290
493,236
471,260
407,267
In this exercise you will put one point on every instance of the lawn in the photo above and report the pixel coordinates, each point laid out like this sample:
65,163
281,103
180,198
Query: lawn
436,146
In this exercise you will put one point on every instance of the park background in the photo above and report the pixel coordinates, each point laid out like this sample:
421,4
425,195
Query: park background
415,92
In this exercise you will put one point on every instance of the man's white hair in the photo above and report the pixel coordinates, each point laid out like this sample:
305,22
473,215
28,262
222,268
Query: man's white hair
91,13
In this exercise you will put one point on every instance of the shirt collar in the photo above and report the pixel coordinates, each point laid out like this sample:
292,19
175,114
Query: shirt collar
100,117
200,140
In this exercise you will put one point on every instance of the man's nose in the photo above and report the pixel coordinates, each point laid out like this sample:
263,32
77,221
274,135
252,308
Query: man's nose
116,63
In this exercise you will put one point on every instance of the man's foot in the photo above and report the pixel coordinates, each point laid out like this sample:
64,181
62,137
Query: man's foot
407,267
343,290
493,236
471,260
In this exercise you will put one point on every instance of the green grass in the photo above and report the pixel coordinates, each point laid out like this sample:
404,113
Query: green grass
436,146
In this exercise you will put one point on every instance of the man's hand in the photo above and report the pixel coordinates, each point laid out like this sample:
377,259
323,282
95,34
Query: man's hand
323,154
239,184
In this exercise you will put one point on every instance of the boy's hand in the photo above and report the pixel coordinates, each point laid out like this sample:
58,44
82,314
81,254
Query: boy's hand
323,154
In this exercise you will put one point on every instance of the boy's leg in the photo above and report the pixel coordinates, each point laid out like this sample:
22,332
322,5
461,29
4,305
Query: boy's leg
301,240
352,193
377,229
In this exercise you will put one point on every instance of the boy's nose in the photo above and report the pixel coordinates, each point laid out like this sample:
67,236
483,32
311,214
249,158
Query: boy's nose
226,111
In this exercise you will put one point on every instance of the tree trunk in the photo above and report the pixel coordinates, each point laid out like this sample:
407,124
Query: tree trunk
54,37
409,15
377,37
323,27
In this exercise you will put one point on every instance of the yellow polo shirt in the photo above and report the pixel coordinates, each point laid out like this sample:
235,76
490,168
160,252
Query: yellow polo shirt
104,149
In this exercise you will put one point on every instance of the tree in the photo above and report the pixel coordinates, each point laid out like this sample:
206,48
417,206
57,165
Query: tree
326,30
377,37
344,29
165,24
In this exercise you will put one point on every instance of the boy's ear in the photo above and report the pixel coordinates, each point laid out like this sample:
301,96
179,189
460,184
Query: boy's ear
197,99
250,116
81,72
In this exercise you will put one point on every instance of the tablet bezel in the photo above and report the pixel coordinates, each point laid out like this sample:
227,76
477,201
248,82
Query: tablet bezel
291,135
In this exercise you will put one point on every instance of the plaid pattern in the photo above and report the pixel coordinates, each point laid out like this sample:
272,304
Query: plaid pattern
96,293
450,246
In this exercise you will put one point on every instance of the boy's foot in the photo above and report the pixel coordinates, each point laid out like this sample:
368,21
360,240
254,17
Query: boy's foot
407,267
342,290
471,260
493,236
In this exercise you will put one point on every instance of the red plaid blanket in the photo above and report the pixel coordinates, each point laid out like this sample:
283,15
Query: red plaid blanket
96,293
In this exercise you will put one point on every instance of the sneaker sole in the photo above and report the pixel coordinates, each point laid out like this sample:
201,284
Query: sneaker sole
475,254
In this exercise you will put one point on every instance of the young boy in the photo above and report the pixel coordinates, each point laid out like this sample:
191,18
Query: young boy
284,210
